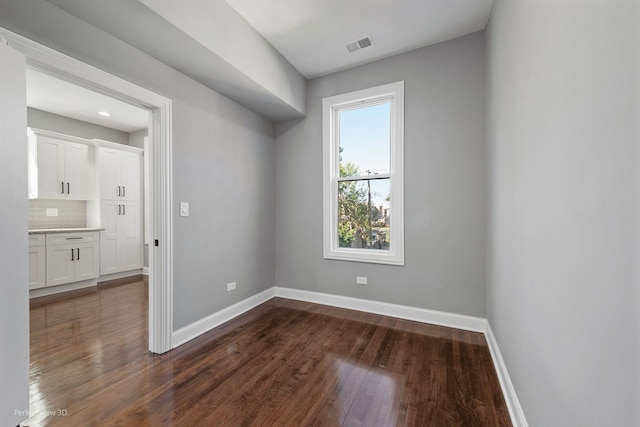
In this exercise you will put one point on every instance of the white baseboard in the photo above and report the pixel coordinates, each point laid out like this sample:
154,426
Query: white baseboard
119,275
509,393
52,290
440,318
145,271
434,317
201,326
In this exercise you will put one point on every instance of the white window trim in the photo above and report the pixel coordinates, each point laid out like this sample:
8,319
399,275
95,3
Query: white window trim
331,173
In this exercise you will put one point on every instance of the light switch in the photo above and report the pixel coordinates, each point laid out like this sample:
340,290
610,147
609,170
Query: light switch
184,209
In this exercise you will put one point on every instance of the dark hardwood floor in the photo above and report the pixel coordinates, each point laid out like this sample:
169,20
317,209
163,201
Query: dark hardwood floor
284,363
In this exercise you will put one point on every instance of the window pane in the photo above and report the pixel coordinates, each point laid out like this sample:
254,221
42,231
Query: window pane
365,140
363,214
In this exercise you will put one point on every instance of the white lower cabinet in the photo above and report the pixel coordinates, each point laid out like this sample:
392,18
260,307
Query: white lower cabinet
37,261
121,240
72,257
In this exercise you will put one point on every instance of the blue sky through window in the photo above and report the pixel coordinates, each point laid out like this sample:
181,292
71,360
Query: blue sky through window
365,139
365,135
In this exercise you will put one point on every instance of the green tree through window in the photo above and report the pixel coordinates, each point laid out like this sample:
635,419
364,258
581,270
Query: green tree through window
358,220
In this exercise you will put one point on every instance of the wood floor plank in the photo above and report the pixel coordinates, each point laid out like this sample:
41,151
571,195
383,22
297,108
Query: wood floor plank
284,363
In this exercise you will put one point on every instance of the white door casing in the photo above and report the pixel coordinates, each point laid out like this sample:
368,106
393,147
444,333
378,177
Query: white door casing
14,304
56,64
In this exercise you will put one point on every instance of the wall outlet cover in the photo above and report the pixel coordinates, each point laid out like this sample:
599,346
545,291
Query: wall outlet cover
361,280
52,211
231,286
184,209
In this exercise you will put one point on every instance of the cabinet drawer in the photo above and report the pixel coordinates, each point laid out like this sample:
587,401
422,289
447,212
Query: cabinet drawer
65,238
36,240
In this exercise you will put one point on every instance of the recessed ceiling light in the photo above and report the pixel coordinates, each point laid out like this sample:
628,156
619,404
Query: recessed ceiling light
104,113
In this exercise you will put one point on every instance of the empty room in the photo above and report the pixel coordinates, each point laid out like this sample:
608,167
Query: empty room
342,213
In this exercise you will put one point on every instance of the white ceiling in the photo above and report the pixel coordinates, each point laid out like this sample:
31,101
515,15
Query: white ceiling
312,34
65,99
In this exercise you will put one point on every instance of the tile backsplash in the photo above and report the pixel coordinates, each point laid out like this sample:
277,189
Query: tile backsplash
71,213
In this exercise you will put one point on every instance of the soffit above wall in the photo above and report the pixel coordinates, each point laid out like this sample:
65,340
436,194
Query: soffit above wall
141,27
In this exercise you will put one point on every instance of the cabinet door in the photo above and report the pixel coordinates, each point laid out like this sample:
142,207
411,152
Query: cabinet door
78,167
87,262
60,266
37,267
109,170
51,177
131,175
130,236
111,213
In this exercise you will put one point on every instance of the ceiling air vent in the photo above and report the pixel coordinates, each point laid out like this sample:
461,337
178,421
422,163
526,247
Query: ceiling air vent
359,44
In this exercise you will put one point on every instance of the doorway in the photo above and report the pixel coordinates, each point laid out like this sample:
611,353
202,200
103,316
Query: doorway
55,64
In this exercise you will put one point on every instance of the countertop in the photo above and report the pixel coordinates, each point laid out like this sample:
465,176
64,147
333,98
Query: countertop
62,230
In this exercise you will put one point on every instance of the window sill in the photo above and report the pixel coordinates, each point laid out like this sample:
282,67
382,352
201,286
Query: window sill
371,256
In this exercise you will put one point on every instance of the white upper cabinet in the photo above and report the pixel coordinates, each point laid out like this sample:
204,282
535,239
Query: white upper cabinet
131,176
51,179
109,172
65,167
120,174
79,170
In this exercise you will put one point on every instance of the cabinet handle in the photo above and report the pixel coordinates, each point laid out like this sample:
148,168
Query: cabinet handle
61,182
78,249
72,255
119,210
118,191
124,209
68,192
124,191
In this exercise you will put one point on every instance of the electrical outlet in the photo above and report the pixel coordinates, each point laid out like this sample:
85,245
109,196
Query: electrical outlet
361,280
231,286
52,211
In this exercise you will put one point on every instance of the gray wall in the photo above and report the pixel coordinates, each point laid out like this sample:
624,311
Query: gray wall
445,174
136,139
223,164
563,288
14,308
44,120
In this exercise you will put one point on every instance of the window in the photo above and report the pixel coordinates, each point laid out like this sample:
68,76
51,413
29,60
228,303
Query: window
363,137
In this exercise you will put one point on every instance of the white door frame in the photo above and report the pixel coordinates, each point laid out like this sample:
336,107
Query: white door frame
59,65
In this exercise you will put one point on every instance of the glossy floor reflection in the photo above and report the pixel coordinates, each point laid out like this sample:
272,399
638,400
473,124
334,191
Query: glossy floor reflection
284,363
